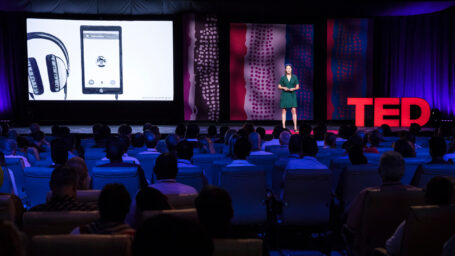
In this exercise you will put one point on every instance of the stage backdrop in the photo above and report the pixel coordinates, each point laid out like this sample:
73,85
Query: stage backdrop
349,58
201,67
258,53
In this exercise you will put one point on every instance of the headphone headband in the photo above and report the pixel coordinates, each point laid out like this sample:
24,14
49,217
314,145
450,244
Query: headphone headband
43,35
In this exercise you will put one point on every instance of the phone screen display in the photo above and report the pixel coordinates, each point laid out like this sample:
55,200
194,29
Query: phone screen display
101,59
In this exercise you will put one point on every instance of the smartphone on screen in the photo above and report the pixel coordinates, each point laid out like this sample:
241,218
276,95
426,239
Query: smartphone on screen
101,48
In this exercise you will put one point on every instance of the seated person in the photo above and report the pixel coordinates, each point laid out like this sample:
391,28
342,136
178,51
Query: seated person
214,209
309,152
438,148
137,144
147,199
172,141
125,130
83,178
374,140
255,141
63,186
151,140
124,143
391,169
330,140
11,152
439,192
206,145
59,153
212,133
168,235
356,155
27,149
114,152
284,138
319,132
192,133
114,204
242,148
184,154
261,131
276,135
405,148
305,129
166,173
102,135
40,141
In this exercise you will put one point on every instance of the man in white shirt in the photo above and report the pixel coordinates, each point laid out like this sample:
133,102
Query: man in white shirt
242,148
309,161
151,141
166,173
276,135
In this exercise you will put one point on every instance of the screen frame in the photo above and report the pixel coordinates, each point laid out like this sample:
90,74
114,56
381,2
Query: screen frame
114,111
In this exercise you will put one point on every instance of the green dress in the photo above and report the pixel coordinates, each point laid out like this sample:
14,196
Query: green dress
288,99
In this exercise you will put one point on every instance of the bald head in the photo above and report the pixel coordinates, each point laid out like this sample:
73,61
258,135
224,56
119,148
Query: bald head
285,136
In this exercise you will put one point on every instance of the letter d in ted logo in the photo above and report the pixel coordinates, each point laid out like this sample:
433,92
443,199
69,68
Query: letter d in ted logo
380,111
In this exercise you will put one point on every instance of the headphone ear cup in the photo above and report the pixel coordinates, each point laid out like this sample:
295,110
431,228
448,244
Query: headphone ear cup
34,77
56,69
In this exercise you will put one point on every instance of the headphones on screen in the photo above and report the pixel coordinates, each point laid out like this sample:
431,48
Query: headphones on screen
57,70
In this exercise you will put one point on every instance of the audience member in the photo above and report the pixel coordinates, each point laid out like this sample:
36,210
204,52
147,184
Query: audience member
166,173
138,140
356,155
405,148
39,140
27,149
206,145
391,169
330,140
83,178
248,127
438,148
114,152
439,192
167,235
386,130
284,138
242,149
223,131
305,129
180,130
147,199
261,131
150,142
11,152
184,154
102,135
309,152
276,135
255,141
114,204
373,140
172,141
214,208
125,130
147,127
63,185
319,133
212,132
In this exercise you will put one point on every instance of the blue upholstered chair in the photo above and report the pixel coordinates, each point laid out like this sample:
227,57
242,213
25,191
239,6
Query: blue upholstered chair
192,176
247,187
36,184
127,176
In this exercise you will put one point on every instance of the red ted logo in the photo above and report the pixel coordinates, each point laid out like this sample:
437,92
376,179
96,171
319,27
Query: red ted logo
380,111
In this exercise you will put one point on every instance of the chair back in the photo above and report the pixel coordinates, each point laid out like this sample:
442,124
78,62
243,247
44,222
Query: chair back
181,201
188,214
191,176
127,176
306,196
355,178
280,152
266,162
337,165
247,187
431,170
51,223
7,208
86,196
17,167
238,247
218,166
382,213
205,161
87,245
147,164
427,229
93,155
36,184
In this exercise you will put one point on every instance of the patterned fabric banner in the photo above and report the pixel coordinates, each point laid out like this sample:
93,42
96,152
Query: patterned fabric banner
201,68
258,53
348,65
